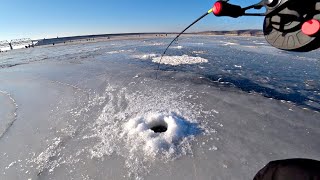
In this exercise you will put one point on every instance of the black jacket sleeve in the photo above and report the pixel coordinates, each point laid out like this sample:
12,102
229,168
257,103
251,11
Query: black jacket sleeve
290,169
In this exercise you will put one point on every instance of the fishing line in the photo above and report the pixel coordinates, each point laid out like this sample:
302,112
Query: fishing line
194,22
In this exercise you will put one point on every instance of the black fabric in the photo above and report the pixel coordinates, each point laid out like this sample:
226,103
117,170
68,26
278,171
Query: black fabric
290,169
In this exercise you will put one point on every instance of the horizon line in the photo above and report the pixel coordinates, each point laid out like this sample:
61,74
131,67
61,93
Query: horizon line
135,33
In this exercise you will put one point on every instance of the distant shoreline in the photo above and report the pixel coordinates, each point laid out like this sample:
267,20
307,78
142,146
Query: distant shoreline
122,36
126,36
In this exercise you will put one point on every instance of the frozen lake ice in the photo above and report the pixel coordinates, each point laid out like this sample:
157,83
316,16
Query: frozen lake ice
227,106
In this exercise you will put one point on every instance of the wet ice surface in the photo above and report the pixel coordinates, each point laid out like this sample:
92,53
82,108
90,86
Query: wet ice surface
84,111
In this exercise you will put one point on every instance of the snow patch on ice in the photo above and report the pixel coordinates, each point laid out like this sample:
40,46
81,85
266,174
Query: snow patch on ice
229,43
172,60
44,159
157,44
213,148
198,52
146,56
11,164
178,60
177,47
260,43
251,46
136,76
120,51
52,158
198,43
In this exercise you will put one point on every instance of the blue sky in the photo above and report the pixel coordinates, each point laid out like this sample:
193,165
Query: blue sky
52,18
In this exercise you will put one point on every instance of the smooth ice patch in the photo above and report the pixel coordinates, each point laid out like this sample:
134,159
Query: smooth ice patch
139,134
177,60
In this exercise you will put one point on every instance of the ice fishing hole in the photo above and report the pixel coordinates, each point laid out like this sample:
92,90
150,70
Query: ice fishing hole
160,128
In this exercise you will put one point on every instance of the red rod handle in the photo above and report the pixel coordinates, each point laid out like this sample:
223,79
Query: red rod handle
222,8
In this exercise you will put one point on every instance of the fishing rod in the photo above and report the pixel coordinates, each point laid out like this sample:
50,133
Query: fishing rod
291,25
194,22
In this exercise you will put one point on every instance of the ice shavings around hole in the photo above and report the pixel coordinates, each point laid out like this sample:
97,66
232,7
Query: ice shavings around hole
52,158
137,132
123,127
177,60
